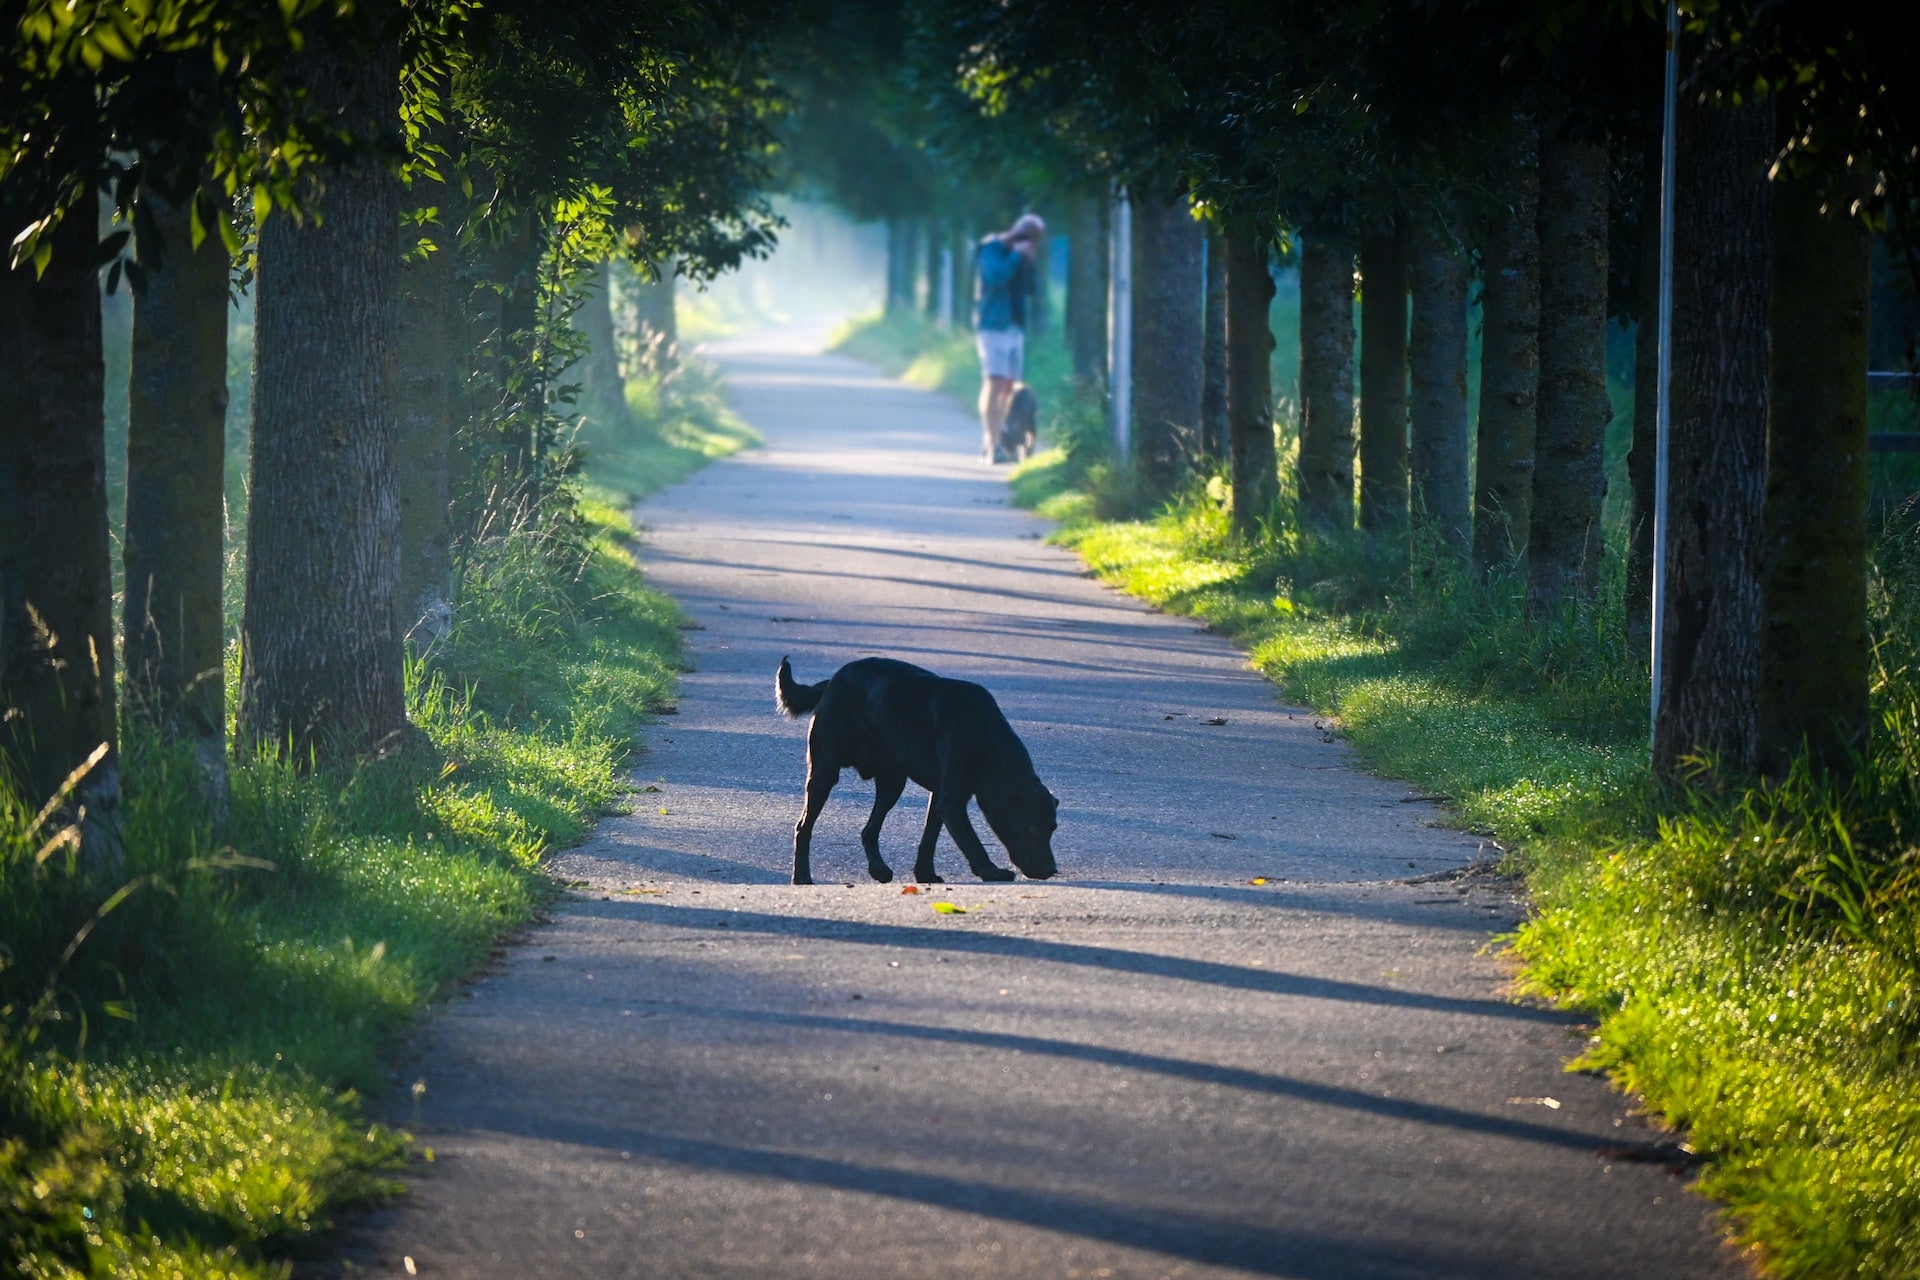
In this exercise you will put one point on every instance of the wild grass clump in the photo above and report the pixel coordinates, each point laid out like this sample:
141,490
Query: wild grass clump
184,1039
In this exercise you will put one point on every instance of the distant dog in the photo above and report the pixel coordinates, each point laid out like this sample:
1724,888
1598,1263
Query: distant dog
1023,423
891,722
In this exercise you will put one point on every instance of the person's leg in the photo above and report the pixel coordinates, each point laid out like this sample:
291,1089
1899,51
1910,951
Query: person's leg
994,399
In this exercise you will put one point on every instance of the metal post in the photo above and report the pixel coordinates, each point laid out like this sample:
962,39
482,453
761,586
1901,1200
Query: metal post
1120,327
1663,395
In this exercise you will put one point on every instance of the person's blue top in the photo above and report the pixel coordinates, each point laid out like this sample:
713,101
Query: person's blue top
1003,273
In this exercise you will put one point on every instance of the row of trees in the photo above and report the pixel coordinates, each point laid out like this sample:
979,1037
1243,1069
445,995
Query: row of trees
418,196
1396,146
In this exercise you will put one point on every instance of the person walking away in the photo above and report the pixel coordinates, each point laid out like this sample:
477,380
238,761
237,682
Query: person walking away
1005,274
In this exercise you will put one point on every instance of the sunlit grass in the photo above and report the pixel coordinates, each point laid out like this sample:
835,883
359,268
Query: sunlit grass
188,1102
1750,958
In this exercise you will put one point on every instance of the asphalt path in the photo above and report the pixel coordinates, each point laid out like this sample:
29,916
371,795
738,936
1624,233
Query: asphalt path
1254,1028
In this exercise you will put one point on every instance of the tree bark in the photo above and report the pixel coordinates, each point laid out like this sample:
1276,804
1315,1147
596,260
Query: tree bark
174,548
603,392
1087,292
1509,366
1383,383
1213,340
962,242
1253,467
56,574
425,404
899,266
1563,548
321,650
1641,460
1167,283
1437,362
1717,465
1326,380
1813,639
930,302
521,379
657,317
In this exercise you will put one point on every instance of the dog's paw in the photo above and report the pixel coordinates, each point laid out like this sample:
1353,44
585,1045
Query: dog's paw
995,875
798,879
928,878
881,872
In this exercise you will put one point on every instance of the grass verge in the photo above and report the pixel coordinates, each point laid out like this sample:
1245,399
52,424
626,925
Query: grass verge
180,1095
1750,956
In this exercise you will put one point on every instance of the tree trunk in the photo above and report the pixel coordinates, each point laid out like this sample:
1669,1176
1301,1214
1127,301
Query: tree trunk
1509,366
522,381
56,573
1326,380
425,390
321,649
1167,282
1087,292
1717,466
930,303
1213,325
603,392
1563,547
1437,362
1383,383
899,266
962,242
1641,461
174,548
1813,557
659,319
1040,302
1254,470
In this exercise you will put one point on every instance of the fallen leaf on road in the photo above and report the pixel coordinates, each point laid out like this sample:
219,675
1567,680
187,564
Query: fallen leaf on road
949,909
1214,720
663,808
409,1265
639,890
912,888
1551,1103
1258,880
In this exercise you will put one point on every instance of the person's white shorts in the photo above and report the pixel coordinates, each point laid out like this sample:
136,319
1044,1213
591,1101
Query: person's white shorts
1003,352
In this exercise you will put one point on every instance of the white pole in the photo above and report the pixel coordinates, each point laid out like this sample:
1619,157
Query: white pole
1663,395
1120,327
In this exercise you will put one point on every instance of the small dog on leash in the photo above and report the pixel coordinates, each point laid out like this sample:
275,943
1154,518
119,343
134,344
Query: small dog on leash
1022,425
892,721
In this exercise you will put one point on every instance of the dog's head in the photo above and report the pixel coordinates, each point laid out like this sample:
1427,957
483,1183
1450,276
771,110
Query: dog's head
1025,820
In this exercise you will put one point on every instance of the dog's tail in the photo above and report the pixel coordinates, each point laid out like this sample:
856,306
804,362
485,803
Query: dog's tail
793,698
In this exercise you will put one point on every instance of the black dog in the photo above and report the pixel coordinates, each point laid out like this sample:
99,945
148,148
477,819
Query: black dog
1023,422
891,721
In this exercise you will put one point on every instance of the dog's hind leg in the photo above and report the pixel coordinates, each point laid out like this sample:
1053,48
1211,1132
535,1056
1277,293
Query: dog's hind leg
929,836
960,827
886,793
819,787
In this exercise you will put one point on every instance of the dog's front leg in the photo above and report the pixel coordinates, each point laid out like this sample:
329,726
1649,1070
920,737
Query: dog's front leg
886,793
819,787
929,836
960,827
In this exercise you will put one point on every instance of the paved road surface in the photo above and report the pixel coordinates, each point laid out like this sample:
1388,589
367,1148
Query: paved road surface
1149,1067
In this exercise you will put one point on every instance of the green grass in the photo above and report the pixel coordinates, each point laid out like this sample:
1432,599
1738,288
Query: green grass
1751,957
182,1097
